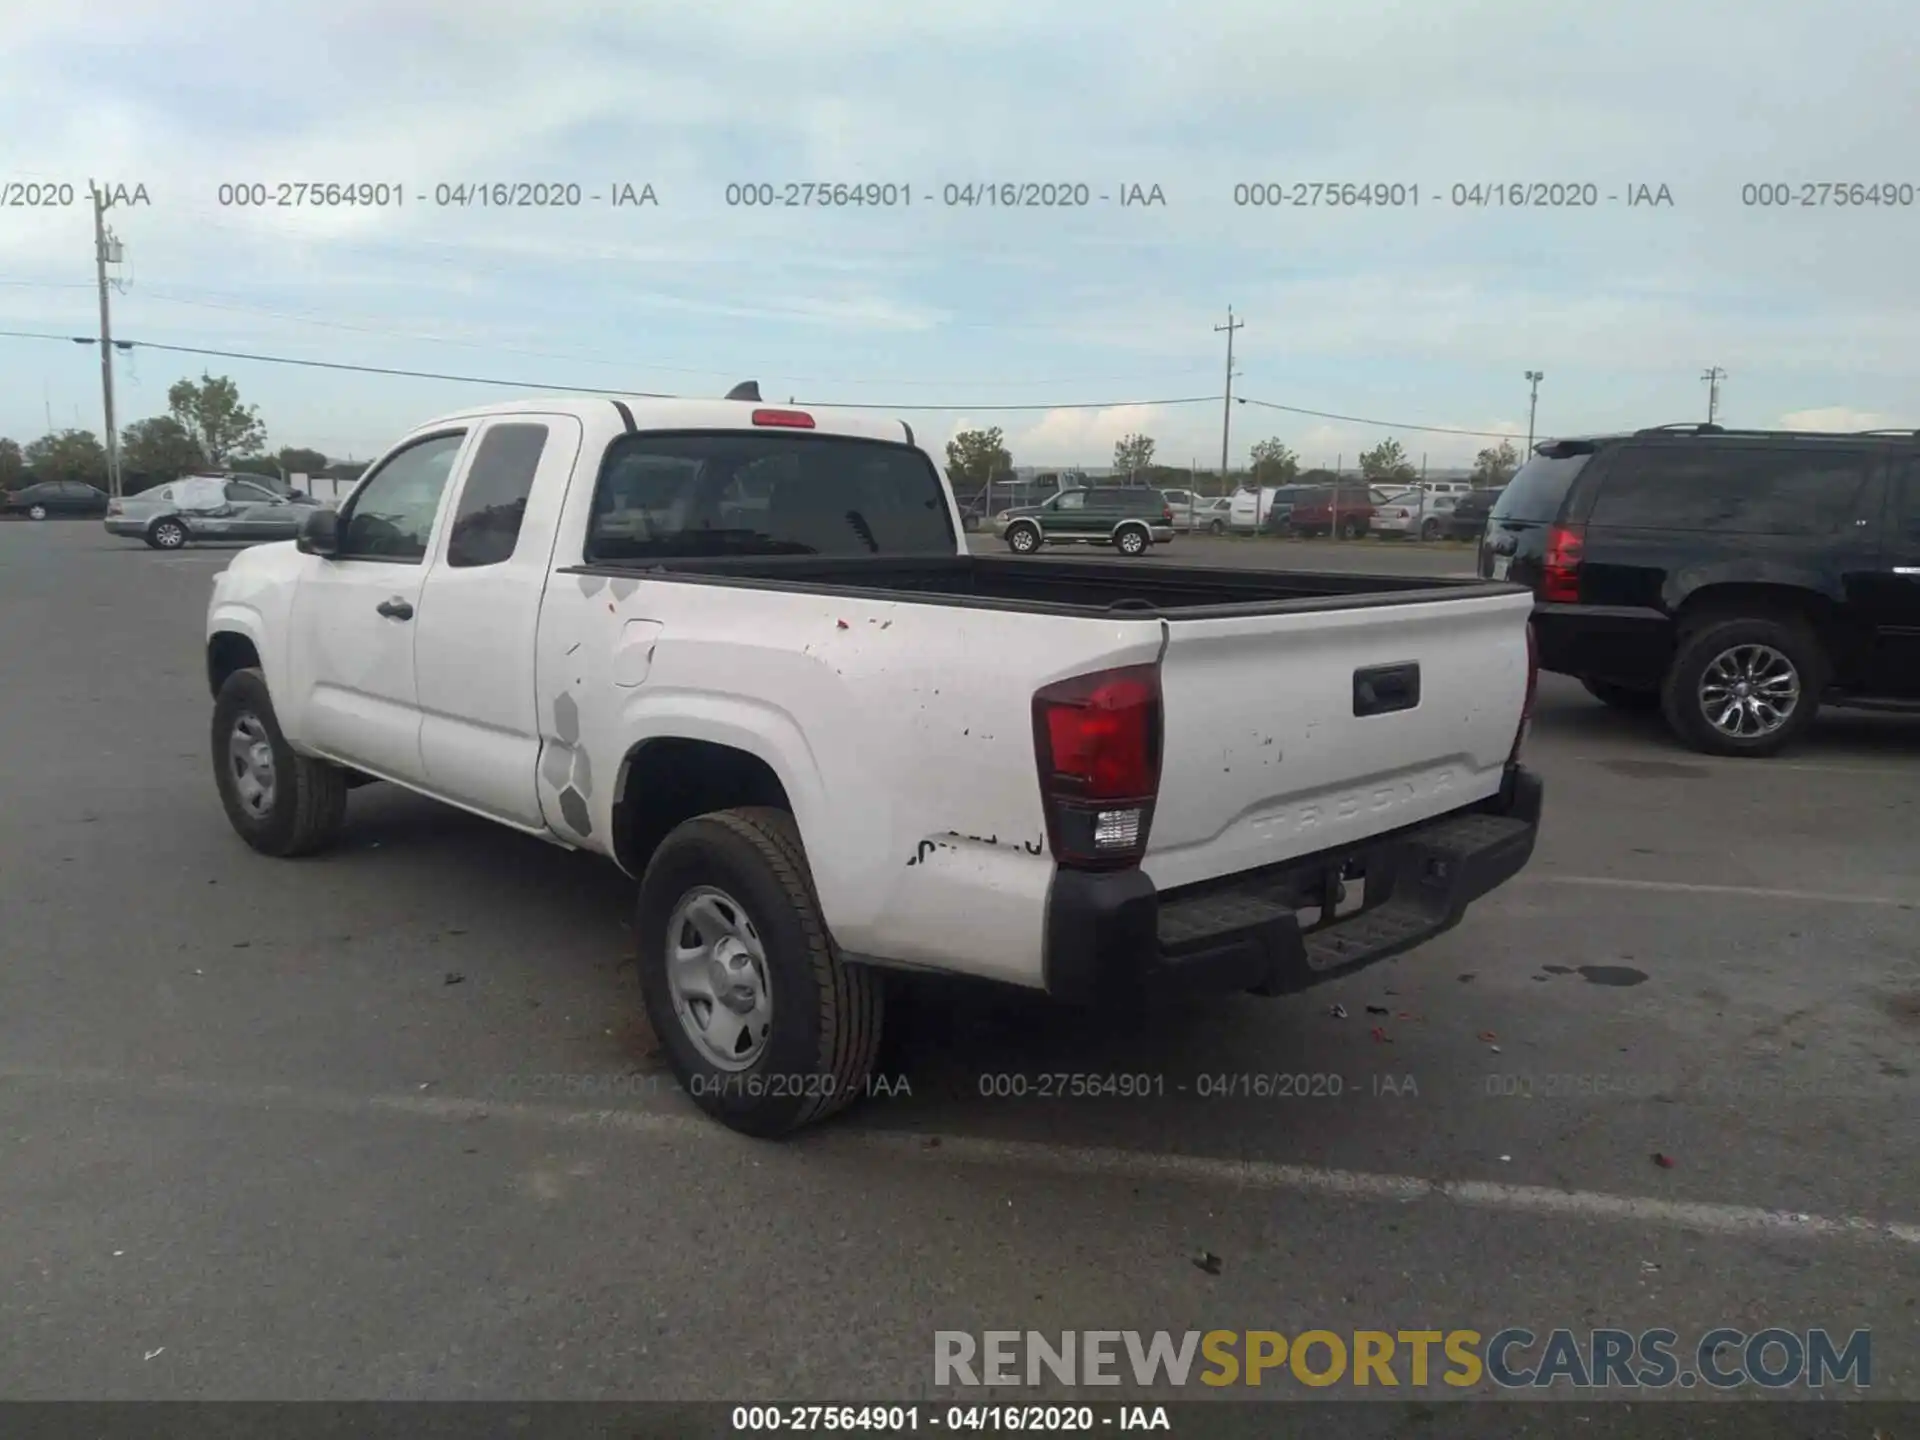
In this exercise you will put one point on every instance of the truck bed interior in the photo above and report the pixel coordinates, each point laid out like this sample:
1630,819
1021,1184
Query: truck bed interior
1073,587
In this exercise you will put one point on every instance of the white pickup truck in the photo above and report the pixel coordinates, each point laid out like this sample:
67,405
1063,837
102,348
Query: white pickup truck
742,651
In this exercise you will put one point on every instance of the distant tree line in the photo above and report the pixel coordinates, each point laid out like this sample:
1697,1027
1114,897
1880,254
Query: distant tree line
206,428
975,457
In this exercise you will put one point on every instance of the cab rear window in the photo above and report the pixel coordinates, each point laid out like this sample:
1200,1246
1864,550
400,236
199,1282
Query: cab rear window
702,495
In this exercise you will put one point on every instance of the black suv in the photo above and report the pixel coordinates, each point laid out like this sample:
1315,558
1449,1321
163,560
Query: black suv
1733,579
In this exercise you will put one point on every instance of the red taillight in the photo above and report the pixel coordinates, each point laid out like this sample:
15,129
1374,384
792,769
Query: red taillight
1560,575
790,419
1166,515
1097,740
1533,686
113,508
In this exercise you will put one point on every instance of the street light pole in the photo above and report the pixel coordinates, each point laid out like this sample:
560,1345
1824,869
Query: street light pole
1534,377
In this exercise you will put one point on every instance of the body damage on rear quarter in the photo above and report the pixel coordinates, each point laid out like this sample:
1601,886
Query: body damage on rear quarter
904,742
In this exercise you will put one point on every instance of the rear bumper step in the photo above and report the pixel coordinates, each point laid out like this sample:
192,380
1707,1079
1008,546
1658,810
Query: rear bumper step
1114,931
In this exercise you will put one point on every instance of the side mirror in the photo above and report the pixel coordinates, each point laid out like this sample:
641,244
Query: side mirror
319,534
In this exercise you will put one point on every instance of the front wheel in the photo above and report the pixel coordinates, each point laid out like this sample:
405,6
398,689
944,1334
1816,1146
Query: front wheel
1746,687
1218,527
1349,529
1430,530
1023,539
766,1027
1131,541
281,803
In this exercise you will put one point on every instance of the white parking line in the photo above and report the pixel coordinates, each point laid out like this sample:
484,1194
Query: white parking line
1074,1160
1752,892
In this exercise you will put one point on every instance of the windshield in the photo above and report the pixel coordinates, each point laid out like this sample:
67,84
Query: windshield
704,495
1536,492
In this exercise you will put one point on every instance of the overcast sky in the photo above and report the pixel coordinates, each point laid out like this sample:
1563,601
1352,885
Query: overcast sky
1419,315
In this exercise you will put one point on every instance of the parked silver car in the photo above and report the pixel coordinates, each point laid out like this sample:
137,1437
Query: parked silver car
206,507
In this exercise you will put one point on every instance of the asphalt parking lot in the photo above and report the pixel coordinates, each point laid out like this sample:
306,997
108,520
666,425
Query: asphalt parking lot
359,1127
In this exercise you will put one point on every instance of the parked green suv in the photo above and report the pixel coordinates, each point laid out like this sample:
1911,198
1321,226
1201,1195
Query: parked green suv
1130,518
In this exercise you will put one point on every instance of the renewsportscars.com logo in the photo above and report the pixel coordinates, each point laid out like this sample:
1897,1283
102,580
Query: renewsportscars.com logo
1513,1359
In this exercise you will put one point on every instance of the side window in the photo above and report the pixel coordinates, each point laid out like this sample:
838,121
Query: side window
1906,524
1782,491
238,492
493,501
392,515
1073,500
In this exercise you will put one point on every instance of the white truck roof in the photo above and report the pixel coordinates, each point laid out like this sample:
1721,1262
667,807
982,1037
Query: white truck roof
652,413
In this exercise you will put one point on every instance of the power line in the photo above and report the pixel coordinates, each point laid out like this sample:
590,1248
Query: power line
582,389
1382,424
538,386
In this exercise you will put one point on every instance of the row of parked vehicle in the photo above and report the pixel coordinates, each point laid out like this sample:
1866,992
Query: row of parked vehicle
198,507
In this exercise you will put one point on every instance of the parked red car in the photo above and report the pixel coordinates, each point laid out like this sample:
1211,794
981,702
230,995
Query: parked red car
1346,509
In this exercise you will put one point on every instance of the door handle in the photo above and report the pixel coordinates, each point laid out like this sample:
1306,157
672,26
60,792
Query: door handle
395,609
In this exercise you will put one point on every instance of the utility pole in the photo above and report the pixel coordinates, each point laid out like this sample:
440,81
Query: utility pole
1226,410
106,248
1713,376
1534,377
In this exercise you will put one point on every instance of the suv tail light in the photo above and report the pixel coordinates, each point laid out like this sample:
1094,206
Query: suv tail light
114,507
1097,739
1533,687
1560,575
1166,515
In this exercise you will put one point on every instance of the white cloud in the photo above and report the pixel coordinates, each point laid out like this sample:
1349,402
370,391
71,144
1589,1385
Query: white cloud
1839,417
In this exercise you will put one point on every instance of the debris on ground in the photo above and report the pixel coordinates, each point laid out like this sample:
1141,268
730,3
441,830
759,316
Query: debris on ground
1506,1159
1377,1010
1665,1162
454,977
1488,1036
840,624
1339,1012
1380,1035
1208,1261
1648,1266
161,1351
1406,1015
1466,977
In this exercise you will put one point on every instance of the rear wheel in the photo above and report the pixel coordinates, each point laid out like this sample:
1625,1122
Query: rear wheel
1350,529
1132,540
281,803
1622,697
764,1024
166,535
1023,539
36,512
1744,685
1430,530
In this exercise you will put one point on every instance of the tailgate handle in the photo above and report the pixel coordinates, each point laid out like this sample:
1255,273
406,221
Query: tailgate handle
1383,689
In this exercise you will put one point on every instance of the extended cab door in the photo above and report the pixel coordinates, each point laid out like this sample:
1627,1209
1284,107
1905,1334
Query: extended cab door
352,630
480,614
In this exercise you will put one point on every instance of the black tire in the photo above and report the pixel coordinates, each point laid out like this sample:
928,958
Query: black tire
1710,637
167,533
1430,530
309,803
1023,539
1622,697
1218,527
820,1049
36,512
1132,540
1350,529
